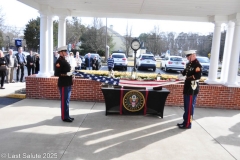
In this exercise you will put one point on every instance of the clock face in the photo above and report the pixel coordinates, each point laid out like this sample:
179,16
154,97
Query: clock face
135,45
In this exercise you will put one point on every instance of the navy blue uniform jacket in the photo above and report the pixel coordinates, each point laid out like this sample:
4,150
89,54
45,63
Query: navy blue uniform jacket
193,71
61,69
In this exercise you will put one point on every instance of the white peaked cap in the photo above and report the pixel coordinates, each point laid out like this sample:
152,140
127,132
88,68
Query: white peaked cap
63,48
190,52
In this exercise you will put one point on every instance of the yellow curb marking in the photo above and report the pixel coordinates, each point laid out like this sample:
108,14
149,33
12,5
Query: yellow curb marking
20,96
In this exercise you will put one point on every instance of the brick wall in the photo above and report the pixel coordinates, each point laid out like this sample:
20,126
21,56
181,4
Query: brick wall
210,96
46,88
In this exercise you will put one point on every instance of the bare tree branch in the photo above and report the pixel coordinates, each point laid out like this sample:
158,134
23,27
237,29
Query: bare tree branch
128,40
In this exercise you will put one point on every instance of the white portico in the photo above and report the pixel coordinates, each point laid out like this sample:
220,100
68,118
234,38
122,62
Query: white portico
212,11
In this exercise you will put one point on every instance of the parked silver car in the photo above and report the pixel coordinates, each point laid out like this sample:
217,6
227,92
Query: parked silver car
120,60
146,61
175,63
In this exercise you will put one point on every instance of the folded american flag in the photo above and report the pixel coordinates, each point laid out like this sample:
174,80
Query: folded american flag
103,79
127,83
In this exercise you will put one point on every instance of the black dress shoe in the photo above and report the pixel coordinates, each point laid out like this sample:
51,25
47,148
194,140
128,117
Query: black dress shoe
68,120
179,124
71,118
183,127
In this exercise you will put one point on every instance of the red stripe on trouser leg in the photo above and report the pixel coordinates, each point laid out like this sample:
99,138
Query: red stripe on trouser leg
62,101
189,111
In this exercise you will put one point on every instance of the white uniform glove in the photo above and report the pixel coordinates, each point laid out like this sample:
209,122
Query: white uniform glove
69,73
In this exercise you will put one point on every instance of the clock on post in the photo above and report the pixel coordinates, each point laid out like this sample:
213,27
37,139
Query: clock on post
135,45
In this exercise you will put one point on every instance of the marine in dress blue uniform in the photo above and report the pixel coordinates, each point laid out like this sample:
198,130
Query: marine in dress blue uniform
65,82
193,72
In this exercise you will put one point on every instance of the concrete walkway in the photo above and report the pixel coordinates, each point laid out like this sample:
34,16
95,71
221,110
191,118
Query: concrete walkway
32,128
10,88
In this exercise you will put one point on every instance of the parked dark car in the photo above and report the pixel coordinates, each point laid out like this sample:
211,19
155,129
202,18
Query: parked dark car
205,62
92,55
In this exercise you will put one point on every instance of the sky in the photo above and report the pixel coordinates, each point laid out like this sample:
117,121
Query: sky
18,14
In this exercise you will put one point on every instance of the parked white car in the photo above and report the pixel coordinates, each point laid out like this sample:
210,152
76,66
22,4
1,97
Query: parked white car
175,63
120,60
146,61
205,62
25,53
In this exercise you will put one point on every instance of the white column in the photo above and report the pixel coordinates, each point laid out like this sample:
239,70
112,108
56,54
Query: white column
227,52
62,31
212,76
233,67
44,69
50,43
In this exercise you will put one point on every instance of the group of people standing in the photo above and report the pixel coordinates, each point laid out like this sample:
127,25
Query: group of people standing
91,63
17,62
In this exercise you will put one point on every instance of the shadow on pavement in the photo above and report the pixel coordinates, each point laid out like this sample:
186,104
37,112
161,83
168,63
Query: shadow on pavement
4,101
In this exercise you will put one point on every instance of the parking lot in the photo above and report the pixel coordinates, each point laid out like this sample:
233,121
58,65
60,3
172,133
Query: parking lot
129,69
158,70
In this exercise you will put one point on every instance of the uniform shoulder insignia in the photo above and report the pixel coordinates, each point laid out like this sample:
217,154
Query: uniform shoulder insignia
198,69
57,65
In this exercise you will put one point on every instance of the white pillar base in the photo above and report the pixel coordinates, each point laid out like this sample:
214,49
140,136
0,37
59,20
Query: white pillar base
212,81
236,84
44,75
52,73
